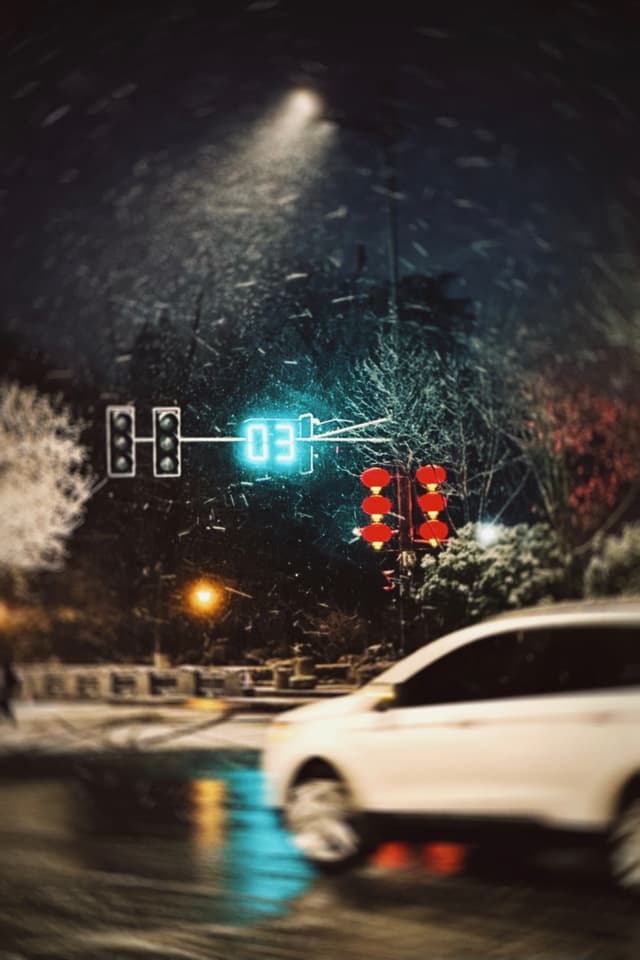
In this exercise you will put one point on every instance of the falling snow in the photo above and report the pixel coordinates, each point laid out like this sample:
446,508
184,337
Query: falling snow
56,115
120,93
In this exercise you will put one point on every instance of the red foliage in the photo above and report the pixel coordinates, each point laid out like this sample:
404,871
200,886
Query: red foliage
598,440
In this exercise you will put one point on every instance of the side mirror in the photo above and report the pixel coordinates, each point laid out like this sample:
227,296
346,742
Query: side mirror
387,700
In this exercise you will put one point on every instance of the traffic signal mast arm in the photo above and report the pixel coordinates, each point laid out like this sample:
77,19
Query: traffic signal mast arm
197,439
275,445
329,436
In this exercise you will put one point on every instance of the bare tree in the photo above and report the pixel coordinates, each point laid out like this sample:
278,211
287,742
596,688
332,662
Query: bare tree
452,410
44,480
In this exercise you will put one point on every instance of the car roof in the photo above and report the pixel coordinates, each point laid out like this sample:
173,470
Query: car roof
599,611
601,606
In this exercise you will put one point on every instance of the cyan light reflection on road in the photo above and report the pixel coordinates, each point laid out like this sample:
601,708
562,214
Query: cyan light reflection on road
262,869
258,869
195,830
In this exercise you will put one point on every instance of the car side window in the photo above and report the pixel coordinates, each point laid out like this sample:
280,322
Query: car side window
494,667
593,658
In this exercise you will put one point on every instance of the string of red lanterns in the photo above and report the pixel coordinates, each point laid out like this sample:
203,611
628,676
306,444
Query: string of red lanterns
376,533
433,531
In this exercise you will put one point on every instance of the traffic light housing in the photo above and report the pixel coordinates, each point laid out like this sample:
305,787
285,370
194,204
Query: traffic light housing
121,441
432,530
166,442
376,506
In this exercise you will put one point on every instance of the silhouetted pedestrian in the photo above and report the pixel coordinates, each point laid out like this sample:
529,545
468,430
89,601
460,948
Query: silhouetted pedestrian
8,684
246,683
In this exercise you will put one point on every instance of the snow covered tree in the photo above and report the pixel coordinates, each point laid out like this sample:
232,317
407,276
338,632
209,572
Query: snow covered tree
44,480
469,581
449,409
614,568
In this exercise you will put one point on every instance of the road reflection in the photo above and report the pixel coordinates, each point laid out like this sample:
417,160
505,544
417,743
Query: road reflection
440,859
208,798
131,855
193,830
234,843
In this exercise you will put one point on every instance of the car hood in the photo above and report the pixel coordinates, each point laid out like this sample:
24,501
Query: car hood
334,707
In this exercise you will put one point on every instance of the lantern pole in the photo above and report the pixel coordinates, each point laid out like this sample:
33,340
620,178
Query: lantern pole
407,538
431,532
403,494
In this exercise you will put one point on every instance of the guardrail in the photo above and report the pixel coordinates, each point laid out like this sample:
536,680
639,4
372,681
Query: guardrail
125,682
130,681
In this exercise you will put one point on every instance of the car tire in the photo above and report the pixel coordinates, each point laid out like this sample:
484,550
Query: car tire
624,847
320,815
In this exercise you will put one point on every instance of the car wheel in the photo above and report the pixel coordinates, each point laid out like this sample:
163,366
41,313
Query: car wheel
320,816
624,852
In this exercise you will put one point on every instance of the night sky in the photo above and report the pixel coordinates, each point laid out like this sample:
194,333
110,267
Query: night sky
142,152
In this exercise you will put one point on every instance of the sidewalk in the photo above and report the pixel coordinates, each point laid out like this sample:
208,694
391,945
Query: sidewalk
53,727
265,699
57,728
270,700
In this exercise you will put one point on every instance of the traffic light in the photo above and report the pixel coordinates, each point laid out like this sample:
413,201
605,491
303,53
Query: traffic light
376,533
431,503
121,441
166,442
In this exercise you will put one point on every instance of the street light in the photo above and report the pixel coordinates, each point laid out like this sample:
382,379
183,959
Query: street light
487,534
306,104
203,597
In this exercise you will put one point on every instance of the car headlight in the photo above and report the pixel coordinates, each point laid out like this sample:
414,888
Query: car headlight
381,695
281,730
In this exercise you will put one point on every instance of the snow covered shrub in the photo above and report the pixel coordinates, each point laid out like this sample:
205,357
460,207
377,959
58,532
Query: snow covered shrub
615,567
468,581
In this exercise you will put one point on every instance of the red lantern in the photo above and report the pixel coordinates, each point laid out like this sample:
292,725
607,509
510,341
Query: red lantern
375,478
431,476
377,534
432,504
434,531
376,506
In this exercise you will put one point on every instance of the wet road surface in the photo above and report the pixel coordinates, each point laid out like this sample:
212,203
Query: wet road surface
122,854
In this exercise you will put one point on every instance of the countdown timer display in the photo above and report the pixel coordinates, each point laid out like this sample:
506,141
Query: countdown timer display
277,443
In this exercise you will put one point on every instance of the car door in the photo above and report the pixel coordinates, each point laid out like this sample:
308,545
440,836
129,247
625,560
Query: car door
527,725
468,734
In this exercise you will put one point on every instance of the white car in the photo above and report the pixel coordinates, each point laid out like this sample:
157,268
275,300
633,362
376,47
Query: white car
532,717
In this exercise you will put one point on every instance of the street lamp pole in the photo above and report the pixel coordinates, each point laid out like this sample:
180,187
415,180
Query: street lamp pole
386,134
390,174
383,134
